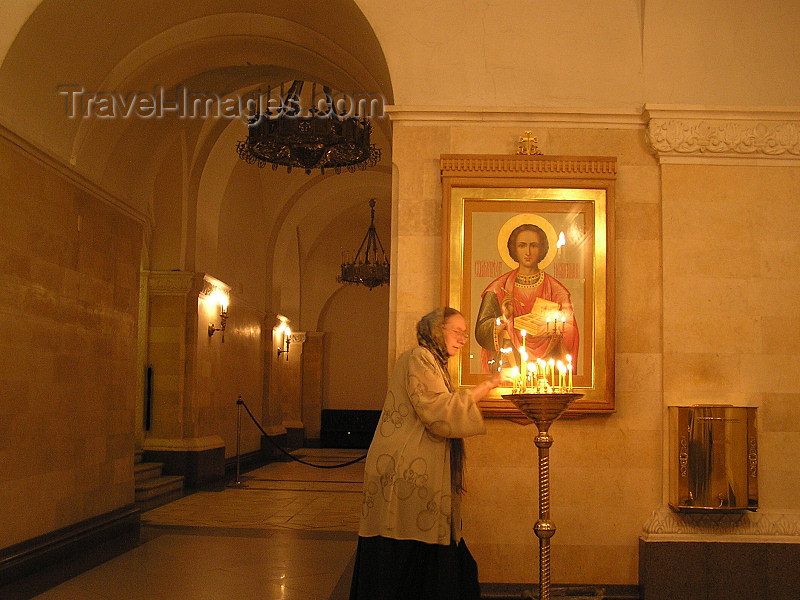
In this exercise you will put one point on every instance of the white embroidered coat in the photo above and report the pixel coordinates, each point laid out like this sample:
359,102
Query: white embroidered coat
408,491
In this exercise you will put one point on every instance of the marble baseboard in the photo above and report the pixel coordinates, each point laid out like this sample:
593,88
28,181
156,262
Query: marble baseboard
718,570
69,549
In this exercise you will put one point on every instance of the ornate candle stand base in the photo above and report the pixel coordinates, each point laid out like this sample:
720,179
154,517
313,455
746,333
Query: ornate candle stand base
543,409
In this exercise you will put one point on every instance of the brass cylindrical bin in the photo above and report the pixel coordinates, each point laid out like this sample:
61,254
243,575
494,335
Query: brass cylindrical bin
713,462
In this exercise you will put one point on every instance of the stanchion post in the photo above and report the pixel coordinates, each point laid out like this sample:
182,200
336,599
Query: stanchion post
239,403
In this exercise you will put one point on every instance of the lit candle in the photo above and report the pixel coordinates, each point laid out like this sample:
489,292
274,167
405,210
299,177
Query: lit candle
515,376
563,323
547,323
569,369
561,375
552,364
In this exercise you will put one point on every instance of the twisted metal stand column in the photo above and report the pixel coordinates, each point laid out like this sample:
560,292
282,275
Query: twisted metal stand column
544,527
543,409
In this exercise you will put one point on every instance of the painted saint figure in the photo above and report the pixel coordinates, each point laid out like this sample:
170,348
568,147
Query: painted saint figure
526,298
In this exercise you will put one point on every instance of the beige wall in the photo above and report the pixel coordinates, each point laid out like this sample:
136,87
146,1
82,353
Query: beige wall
610,54
198,378
227,370
731,326
354,369
69,274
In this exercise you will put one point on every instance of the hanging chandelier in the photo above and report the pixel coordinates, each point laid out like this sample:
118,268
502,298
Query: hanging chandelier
314,136
368,267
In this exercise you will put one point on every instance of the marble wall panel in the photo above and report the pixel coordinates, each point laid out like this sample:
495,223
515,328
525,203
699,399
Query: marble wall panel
71,263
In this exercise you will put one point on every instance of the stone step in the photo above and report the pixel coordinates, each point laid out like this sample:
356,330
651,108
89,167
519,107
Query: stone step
145,471
157,491
159,485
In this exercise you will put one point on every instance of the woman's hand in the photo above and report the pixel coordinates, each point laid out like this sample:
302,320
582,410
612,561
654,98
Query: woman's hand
480,391
496,380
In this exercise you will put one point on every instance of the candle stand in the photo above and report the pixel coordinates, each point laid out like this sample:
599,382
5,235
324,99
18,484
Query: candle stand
543,410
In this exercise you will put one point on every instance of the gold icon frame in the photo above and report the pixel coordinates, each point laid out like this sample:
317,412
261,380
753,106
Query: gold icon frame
483,197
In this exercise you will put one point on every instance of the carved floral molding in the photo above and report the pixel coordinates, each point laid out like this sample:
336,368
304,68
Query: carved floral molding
455,165
174,282
298,337
764,135
665,524
210,284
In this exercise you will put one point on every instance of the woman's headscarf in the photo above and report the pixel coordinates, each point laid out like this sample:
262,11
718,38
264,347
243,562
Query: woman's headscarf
430,335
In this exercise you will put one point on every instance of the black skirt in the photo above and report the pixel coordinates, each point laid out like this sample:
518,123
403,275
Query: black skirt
388,569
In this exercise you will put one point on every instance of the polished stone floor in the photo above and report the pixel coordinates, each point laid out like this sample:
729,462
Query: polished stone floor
287,533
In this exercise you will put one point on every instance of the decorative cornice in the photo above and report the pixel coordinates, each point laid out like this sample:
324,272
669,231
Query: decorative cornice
171,283
211,283
587,118
453,165
666,525
694,135
69,173
298,337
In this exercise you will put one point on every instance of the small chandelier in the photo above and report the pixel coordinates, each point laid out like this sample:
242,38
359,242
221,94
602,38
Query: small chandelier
317,137
370,268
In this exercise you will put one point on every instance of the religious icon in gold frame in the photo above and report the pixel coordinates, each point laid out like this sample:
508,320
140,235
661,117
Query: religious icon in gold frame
528,259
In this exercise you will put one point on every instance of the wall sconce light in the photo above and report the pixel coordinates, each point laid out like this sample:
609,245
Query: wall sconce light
286,337
221,298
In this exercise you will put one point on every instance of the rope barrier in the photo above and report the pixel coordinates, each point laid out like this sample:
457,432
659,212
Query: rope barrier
241,402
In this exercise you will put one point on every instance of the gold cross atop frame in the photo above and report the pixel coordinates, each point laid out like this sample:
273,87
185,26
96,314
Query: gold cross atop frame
527,144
